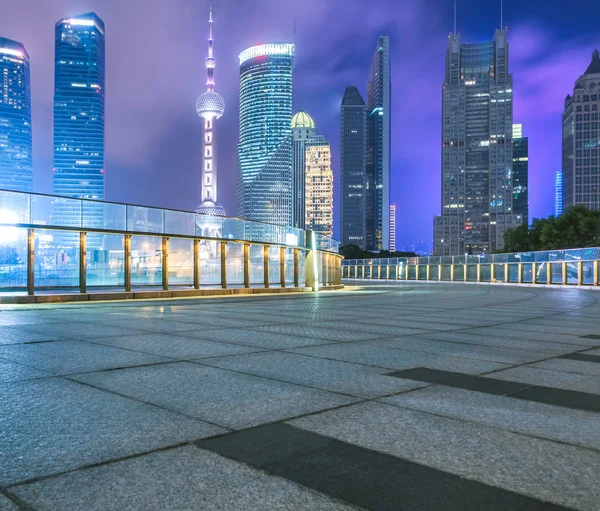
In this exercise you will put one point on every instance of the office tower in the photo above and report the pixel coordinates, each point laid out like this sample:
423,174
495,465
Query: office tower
15,118
392,227
79,116
477,148
520,173
264,191
353,169
303,132
558,194
580,136
378,148
319,189
210,107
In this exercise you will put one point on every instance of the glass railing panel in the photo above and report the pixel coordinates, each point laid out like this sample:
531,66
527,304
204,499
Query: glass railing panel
459,259
146,261
14,207
541,274
557,273
527,273
105,258
289,267
144,219
434,272
446,272
114,217
257,267
56,265
302,261
499,273
486,272
513,273
180,222
235,264
471,273
434,260
13,257
210,263
274,276
181,262
459,272
422,272
588,273
412,272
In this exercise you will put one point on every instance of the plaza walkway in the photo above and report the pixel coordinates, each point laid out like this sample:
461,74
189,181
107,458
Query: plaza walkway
382,397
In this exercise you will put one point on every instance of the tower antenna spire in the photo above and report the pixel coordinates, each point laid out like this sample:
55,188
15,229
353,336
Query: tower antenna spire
501,14
454,17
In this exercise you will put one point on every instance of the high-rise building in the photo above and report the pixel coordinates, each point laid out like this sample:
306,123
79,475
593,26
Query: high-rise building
379,99
477,148
264,190
319,189
392,227
79,115
520,173
558,194
15,118
303,133
353,169
210,107
580,140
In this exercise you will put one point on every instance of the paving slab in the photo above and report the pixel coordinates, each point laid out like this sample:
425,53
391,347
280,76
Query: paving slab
535,335
227,398
54,425
332,375
81,330
67,357
536,419
18,335
390,358
7,505
325,334
264,340
174,346
549,471
551,378
570,366
10,371
183,479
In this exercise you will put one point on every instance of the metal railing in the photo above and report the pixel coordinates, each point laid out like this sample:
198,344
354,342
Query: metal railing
54,244
579,267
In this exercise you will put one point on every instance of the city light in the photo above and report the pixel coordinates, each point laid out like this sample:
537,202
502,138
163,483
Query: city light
265,50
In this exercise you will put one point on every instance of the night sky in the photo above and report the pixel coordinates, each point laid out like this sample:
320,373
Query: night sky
155,52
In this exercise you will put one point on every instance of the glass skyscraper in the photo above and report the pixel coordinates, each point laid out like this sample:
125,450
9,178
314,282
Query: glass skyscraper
520,173
581,140
353,171
264,190
477,149
79,113
379,99
15,118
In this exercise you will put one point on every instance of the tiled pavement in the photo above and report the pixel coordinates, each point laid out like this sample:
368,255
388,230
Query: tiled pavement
387,397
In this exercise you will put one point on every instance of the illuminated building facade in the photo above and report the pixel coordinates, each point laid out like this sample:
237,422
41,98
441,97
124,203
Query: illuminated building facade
477,149
15,118
581,140
79,75
392,227
319,189
558,194
379,99
520,173
353,169
264,188
210,107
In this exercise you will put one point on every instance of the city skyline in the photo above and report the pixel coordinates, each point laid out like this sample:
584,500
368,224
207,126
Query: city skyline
129,161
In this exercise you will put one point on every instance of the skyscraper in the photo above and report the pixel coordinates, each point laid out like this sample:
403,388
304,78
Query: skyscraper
379,99
558,193
210,107
264,191
581,140
319,189
79,115
15,118
520,173
477,148
392,227
353,170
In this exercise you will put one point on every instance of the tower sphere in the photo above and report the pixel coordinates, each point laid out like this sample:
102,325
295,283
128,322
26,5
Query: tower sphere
209,105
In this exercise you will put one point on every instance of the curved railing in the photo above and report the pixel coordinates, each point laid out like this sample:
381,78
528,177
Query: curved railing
558,267
51,245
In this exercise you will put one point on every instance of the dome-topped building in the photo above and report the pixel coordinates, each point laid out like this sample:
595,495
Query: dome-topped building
302,120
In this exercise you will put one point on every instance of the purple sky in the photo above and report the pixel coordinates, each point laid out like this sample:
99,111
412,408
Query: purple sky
155,52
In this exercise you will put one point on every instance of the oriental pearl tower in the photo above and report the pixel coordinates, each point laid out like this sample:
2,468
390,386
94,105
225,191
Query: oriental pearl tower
210,107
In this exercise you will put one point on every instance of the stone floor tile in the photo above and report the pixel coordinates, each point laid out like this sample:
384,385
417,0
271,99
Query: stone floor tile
9,371
570,366
264,340
551,378
79,330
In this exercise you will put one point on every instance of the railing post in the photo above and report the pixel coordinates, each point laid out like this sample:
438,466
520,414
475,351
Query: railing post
439,272
82,262
282,266
246,265
564,273
492,272
452,272
297,267
428,271
534,273
312,262
389,270
30,262
465,272
549,273
417,271
165,263
580,273
506,273
127,262
596,273
266,265
196,264
520,273
223,264
478,272
324,268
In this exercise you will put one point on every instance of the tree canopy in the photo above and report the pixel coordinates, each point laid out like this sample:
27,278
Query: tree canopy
577,227
355,252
